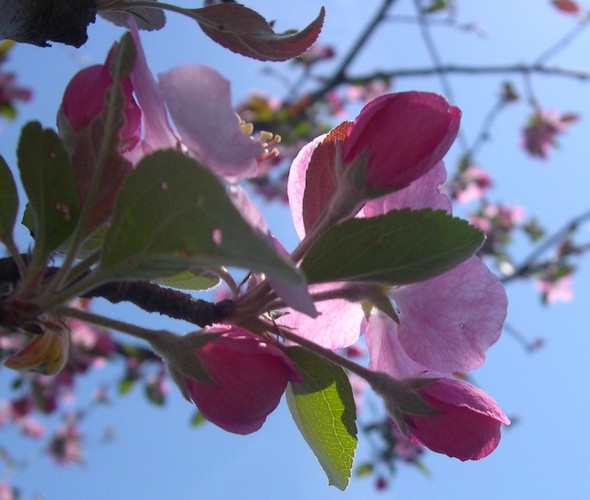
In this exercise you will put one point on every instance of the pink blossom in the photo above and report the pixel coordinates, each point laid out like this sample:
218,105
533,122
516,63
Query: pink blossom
84,99
470,184
6,491
468,426
196,97
556,290
540,134
64,447
406,134
249,375
315,53
369,91
447,323
10,91
336,104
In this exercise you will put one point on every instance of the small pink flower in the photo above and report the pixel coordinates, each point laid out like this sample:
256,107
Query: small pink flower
10,91
64,447
470,184
406,134
315,53
369,91
249,375
468,426
7,492
540,134
556,289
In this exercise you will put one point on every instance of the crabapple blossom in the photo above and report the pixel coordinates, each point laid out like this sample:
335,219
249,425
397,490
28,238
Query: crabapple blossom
556,289
446,323
197,98
470,184
406,134
84,99
540,134
467,425
10,91
248,374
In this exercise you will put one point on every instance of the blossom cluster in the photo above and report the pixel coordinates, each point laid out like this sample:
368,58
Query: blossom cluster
389,158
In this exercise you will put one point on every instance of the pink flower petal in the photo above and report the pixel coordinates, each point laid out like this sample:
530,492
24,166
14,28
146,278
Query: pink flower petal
447,323
297,181
421,193
199,102
337,326
386,353
157,132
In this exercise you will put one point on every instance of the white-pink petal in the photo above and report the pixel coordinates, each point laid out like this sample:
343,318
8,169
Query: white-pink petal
422,193
198,99
157,132
337,326
447,323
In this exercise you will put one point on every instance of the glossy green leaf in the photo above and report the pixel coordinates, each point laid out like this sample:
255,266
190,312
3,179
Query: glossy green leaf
399,247
8,201
48,180
246,32
324,410
171,215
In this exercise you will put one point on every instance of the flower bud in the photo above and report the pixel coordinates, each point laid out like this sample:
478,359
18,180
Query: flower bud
47,353
467,425
84,99
405,134
246,376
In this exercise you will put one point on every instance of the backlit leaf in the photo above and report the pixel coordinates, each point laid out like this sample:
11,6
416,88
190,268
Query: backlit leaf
324,410
171,215
246,32
48,180
399,247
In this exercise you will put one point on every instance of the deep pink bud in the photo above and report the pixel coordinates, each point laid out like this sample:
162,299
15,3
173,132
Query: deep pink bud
407,134
250,376
84,99
468,425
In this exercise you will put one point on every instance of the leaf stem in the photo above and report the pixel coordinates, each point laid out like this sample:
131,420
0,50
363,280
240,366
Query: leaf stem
96,319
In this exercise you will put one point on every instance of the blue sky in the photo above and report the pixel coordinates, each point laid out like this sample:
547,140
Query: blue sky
545,455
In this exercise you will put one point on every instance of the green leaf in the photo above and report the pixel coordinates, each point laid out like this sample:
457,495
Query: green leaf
324,410
246,32
189,280
48,179
8,202
172,214
399,247
197,419
125,385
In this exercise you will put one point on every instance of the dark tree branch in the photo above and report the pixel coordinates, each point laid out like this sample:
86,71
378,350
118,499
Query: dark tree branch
148,296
